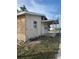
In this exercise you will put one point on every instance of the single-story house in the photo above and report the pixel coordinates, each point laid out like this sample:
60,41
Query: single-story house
31,25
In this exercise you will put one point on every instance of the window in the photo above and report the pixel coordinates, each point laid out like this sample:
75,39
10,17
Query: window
35,24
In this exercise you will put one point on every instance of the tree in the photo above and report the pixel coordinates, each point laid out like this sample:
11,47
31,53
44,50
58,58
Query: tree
23,8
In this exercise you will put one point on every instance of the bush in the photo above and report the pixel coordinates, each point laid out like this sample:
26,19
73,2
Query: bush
21,48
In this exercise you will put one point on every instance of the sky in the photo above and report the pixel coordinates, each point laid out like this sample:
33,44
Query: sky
50,8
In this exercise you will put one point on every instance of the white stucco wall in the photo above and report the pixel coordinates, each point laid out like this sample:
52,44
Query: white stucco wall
32,32
44,29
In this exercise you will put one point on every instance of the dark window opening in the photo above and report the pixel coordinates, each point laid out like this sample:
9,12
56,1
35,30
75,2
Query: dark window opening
35,24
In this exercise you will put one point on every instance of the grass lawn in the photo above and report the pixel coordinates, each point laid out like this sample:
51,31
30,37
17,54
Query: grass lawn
46,49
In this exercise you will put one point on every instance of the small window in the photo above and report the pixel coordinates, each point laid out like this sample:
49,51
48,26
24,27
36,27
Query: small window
35,24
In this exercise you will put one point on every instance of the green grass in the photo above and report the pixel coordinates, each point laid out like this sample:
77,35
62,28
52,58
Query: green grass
47,49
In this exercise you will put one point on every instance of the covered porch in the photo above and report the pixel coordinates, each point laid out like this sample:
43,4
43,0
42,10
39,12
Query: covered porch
46,26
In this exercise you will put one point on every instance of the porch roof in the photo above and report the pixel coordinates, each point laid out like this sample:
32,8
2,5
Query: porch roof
50,21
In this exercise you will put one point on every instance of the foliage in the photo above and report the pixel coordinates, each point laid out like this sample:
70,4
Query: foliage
45,50
58,28
22,8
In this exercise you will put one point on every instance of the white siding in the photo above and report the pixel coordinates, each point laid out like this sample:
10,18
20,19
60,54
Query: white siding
44,30
32,32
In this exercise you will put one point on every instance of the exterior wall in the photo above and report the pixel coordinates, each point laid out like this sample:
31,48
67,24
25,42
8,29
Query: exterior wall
31,31
44,28
21,27
25,27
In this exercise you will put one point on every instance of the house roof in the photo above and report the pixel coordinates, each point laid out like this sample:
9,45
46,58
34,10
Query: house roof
30,13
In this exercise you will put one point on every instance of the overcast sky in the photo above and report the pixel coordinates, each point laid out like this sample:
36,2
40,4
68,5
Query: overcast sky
50,8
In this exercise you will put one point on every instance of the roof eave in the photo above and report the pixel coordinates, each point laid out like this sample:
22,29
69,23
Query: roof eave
30,13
